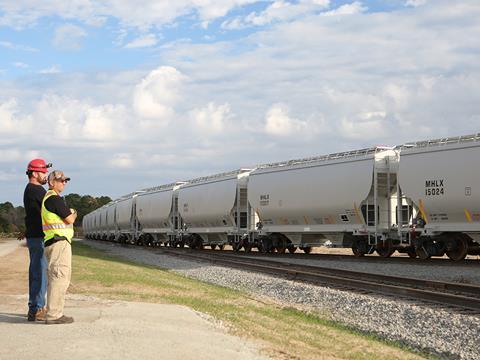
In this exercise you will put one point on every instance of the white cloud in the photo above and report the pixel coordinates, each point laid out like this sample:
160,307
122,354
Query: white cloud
144,41
20,65
22,13
73,121
355,7
279,10
366,126
278,122
415,3
122,160
12,46
212,118
13,155
69,37
106,123
157,94
9,176
11,121
54,69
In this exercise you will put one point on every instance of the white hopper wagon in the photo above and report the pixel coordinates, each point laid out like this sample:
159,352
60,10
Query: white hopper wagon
440,179
110,225
102,223
303,203
94,224
86,225
125,219
214,209
157,215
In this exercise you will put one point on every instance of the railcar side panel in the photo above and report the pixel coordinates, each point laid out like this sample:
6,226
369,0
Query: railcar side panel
444,182
208,205
318,197
124,214
153,210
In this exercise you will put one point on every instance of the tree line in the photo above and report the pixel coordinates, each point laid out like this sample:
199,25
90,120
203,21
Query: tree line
12,219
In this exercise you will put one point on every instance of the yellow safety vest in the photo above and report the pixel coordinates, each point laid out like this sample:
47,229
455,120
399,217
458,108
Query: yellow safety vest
53,224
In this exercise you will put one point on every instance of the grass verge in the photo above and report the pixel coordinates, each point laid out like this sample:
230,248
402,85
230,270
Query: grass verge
287,333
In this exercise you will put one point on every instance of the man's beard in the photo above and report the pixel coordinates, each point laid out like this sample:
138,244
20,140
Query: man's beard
43,181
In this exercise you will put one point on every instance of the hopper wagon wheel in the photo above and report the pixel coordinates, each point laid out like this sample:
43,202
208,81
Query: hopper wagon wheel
422,253
236,246
266,245
357,252
213,246
385,248
411,253
280,249
146,242
281,244
460,251
198,243
307,249
247,247
292,249
220,247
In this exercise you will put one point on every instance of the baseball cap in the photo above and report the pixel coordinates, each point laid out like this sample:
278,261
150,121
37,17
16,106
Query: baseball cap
57,175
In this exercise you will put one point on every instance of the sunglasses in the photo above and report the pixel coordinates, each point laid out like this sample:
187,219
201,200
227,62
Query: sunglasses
63,181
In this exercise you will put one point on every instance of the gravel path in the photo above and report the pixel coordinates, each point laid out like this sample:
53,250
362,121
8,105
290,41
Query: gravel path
440,332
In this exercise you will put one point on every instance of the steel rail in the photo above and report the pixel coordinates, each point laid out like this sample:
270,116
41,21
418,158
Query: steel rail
352,258
443,293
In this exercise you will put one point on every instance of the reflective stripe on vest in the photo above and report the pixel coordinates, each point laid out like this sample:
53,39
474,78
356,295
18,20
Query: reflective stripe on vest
52,224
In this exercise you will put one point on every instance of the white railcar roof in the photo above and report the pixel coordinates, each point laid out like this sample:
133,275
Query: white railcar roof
162,187
219,176
361,153
464,139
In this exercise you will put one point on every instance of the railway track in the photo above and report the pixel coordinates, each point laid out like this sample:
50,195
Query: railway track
471,262
458,297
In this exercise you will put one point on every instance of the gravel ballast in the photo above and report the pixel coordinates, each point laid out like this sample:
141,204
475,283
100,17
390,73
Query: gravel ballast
449,271
438,331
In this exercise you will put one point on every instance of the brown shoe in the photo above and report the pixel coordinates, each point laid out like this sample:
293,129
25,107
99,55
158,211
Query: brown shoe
61,320
41,314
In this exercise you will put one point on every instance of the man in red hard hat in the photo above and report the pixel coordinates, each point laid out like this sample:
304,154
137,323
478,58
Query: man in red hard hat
37,170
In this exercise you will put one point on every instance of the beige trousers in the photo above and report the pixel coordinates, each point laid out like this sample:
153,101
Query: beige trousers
59,271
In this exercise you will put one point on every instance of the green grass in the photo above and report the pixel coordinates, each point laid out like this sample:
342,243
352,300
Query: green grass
286,332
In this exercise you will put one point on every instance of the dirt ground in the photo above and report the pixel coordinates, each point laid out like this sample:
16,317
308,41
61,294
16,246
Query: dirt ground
14,271
106,329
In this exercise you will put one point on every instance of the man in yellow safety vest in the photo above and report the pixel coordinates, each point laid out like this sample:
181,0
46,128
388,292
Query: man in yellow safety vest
57,224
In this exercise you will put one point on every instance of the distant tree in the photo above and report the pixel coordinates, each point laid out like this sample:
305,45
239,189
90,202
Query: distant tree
12,219
85,204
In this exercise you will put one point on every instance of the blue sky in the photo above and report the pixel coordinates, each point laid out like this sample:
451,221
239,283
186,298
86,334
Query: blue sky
122,96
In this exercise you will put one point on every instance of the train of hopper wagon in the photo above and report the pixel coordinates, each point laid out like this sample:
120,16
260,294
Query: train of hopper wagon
420,198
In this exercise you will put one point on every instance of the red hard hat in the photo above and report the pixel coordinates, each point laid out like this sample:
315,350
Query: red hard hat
38,165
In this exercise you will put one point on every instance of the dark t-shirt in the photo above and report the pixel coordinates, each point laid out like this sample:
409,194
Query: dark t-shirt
57,205
32,202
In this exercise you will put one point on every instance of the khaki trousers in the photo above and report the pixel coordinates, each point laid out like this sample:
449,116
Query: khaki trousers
59,271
